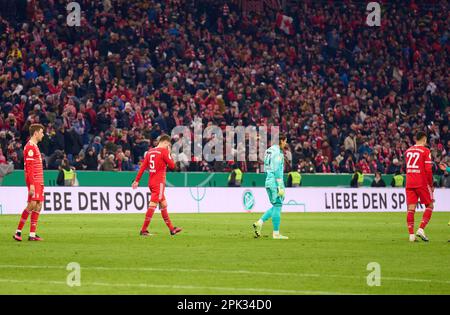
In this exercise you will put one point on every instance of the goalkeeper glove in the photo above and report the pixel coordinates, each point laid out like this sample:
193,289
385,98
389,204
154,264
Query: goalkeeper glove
281,192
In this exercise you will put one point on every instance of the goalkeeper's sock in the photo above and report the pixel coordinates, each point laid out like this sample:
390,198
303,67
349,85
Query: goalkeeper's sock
166,218
276,218
267,215
410,221
34,221
23,220
260,222
426,217
148,218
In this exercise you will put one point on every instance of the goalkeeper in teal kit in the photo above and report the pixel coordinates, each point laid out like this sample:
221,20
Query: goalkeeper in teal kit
273,166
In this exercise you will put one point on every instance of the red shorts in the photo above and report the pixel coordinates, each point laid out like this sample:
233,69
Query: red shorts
157,191
38,193
424,194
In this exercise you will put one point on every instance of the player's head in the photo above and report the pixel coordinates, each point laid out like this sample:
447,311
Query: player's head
36,132
282,141
164,141
421,138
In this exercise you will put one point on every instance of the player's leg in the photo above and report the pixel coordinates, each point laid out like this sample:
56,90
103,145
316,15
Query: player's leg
276,218
23,219
39,199
163,207
165,215
411,201
257,226
148,216
150,211
34,220
410,221
426,197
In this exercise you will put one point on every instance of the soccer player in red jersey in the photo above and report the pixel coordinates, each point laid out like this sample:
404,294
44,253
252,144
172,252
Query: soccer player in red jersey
156,161
34,178
419,184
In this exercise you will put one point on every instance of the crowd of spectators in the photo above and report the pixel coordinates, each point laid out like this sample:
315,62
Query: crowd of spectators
348,95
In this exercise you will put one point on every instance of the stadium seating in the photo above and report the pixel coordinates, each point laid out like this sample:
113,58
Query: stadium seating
348,95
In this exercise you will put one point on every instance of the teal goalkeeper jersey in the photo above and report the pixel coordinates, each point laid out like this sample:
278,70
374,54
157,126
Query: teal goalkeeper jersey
274,167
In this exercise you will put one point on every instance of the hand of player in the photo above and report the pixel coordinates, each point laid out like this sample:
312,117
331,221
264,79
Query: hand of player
442,166
281,192
135,185
31,190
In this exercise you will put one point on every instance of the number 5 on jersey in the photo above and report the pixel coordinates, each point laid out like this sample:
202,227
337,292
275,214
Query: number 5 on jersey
151,162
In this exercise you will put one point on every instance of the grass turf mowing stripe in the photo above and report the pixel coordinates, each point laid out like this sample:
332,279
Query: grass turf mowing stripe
183,287
259,273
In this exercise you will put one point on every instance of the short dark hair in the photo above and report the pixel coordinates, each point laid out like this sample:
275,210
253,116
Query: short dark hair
35,128
282,137
164,137
420,135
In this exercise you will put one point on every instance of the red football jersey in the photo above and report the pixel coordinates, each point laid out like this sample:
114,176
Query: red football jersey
419,167
156,160
34,172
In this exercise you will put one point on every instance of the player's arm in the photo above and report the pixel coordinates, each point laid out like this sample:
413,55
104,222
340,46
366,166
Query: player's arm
278,163
142,169
429,168
168,159
29,168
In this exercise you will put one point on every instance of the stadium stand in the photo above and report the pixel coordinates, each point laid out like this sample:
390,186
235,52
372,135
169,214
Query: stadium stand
350,96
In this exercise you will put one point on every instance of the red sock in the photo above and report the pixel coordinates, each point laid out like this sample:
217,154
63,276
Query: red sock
426,217
23,219
410,221
166,218
148,218
34,221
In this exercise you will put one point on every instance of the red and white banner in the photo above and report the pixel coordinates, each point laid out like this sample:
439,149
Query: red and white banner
285,23
61,200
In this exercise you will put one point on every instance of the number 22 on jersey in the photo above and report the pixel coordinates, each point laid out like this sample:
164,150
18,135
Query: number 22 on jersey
412,158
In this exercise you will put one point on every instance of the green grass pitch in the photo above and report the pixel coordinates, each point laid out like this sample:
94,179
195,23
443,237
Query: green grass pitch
217,254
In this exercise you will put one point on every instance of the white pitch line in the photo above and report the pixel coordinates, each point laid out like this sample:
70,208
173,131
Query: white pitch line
259,273
183,287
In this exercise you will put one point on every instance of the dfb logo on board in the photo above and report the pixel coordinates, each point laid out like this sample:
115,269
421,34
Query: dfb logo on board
248,200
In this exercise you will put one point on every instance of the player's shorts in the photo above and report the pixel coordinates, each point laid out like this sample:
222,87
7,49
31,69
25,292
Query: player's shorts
275,200
422,194
38,193
157,191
